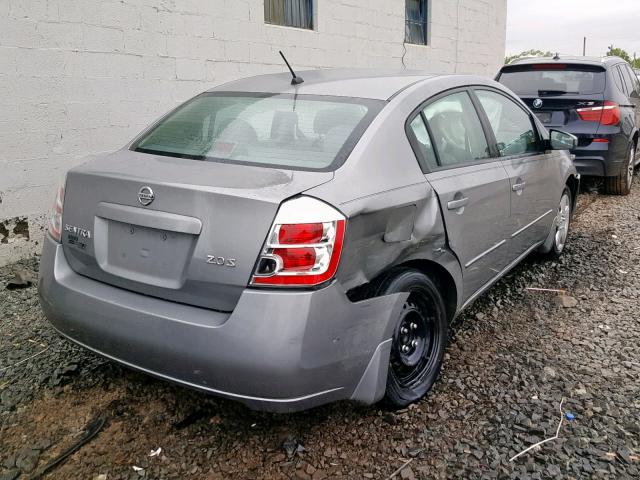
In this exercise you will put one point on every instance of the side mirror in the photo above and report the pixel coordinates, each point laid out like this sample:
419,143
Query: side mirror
559,140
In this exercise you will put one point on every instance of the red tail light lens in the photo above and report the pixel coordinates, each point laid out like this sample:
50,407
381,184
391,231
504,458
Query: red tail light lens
608,114
300,233
298,252
55,219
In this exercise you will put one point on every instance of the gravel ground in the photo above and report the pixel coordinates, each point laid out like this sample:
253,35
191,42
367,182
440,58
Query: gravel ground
511,360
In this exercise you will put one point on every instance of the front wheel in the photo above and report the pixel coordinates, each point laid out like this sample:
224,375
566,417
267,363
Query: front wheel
419,337
557,240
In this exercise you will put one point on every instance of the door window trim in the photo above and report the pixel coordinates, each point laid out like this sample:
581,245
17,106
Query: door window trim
539,142
413,141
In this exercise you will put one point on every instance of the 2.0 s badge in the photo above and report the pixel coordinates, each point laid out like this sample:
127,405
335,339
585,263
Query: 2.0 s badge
221,261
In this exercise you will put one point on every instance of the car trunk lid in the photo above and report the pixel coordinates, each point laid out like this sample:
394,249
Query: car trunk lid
197,238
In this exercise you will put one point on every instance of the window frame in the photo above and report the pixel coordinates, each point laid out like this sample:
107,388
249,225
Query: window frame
413,141
312,19
425,23
539,142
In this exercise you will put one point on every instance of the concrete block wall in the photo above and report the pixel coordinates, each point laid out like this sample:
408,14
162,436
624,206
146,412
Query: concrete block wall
79,77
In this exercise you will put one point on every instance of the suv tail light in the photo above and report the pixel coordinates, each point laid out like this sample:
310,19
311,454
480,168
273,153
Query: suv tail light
303,246
55,219
608,114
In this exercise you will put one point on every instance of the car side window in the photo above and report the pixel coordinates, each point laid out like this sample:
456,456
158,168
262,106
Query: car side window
617,78
456,130
511,125
632,80
421,134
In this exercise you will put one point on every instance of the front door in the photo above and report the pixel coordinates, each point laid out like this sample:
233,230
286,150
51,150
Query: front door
533,174
472,187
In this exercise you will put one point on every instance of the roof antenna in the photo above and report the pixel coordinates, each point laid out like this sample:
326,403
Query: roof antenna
557,57
295,80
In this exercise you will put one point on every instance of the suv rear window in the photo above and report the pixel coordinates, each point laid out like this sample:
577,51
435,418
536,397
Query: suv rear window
553,79
300,132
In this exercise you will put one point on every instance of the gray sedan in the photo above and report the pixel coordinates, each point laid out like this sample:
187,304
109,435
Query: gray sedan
288,244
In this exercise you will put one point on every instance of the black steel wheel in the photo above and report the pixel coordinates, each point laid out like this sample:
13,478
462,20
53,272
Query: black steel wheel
419,337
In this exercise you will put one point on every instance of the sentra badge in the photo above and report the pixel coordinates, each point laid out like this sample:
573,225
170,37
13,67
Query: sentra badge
77,231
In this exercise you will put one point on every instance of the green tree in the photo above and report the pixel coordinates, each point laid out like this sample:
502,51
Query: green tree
528,53
618,52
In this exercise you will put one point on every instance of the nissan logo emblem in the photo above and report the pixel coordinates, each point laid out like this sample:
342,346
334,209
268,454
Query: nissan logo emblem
146,196
537,103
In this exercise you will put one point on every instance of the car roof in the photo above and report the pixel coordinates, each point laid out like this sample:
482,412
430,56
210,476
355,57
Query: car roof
353,82
571,60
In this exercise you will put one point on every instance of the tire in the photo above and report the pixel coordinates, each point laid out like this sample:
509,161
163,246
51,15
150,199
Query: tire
621,184
419,337
557,240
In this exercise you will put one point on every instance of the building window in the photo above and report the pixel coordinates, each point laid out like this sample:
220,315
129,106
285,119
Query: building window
290,13
416,18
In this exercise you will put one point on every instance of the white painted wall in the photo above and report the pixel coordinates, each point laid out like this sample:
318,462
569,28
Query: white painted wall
79,77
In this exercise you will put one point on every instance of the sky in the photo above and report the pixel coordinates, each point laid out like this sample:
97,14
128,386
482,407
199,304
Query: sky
560,25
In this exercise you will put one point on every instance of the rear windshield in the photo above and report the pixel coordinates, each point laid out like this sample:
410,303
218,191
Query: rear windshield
295,132
540,80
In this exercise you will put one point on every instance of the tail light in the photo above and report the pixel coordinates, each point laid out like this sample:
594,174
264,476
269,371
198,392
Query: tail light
55,219
608,114
303,246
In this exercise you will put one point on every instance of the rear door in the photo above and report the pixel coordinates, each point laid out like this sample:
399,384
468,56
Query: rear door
472,185
535,176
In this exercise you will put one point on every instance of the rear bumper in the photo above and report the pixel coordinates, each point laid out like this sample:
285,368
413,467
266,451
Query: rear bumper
593,166
602,159
277,351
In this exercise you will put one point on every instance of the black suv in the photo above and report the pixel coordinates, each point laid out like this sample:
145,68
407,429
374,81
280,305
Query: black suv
596,99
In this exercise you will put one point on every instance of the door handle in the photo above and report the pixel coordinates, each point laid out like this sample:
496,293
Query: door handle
457,204
518,187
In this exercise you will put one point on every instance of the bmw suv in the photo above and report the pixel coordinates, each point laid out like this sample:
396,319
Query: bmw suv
596,99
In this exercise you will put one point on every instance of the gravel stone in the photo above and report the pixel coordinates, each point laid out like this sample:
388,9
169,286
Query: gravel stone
512,357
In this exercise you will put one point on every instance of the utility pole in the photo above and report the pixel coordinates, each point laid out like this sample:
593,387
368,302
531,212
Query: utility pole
584,47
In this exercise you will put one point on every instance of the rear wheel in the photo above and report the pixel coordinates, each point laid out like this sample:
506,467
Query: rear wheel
419,337
621,184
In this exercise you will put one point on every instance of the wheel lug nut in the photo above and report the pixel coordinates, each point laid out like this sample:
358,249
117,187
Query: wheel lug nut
413,326
404,330
414,343
405,348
